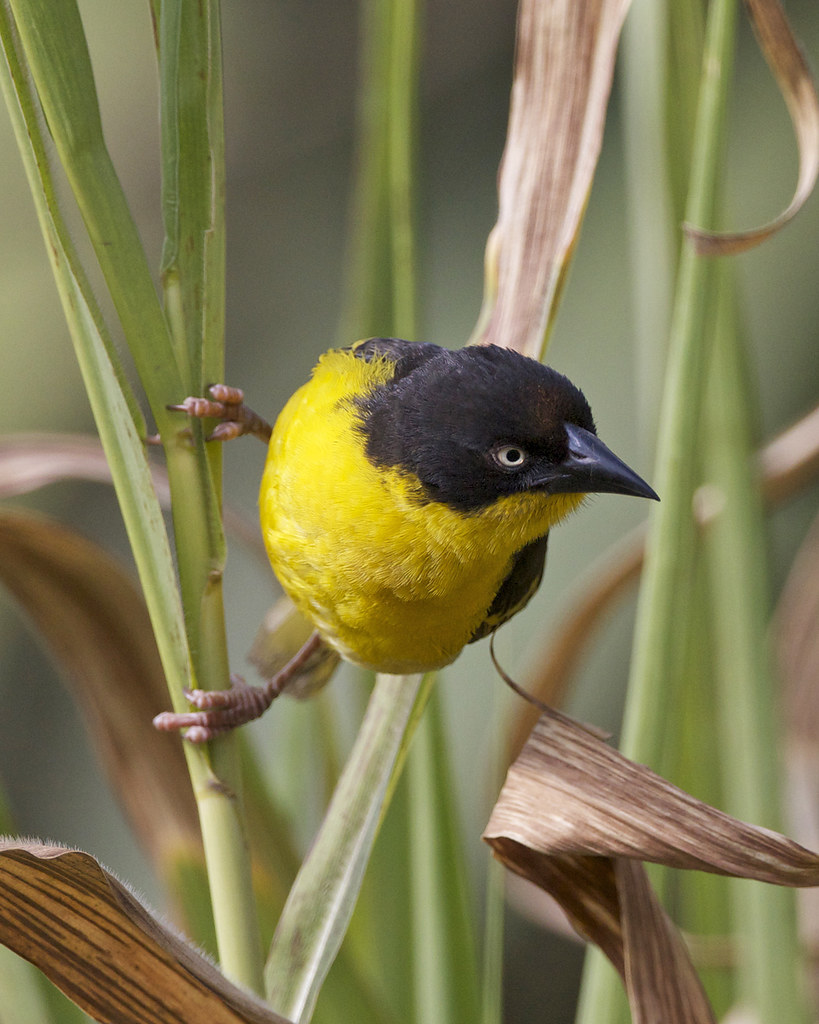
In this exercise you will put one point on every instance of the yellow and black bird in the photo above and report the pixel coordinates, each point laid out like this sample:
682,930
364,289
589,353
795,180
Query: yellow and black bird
407,499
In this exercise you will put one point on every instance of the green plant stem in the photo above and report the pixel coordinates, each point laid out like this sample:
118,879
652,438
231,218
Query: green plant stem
402,46
667,577
118,431
671,550
770,961
492,952
368,289
444,957
193,277
651,238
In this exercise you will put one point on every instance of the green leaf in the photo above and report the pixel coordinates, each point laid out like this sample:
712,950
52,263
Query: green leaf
57,57
323,896
193,186
444,956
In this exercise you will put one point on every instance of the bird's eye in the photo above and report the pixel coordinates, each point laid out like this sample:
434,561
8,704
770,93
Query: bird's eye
509,456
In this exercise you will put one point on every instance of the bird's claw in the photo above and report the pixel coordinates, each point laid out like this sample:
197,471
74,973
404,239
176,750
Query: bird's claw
225,404
218,711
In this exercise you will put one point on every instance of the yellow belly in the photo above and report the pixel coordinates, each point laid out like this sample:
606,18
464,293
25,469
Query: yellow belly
393,584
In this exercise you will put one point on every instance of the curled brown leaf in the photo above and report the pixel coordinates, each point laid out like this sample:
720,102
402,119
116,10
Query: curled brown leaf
570,793
574,812
799,92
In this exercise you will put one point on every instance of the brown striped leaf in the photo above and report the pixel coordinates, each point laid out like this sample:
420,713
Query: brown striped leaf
63,912
573,812
794,79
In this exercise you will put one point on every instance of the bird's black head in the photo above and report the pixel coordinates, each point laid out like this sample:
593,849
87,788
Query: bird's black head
482,422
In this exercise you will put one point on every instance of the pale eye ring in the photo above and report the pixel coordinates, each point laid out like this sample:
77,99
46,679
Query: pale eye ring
510,456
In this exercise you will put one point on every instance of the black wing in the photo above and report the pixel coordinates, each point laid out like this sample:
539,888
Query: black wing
518,587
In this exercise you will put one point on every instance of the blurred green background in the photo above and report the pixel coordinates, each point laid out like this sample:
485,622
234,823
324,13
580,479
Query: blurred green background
290,79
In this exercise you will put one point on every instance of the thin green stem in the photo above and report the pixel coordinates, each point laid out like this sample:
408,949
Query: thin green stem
57,58
322,898
663,612
193,271
444,957
770,971
667,577
401,86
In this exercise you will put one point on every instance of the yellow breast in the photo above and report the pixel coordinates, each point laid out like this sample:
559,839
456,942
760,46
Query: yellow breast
392,582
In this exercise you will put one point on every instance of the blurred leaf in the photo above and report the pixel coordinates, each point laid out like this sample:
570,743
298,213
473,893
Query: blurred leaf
797,634
604,583
32,460
95,623
799,92
24,1001
790,462
64,913
563,71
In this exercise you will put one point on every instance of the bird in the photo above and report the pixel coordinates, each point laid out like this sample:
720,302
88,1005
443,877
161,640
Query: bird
406,502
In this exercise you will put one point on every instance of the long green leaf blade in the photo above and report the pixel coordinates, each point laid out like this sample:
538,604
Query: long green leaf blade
323,896
444,957
57,57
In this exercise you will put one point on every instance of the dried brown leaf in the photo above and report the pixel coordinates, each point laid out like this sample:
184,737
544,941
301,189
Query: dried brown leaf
577,818
660,978
94,621
563,72
793,76
569,793
609,901
85,931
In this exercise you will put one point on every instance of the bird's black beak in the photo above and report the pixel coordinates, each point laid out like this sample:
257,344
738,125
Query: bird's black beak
592,468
